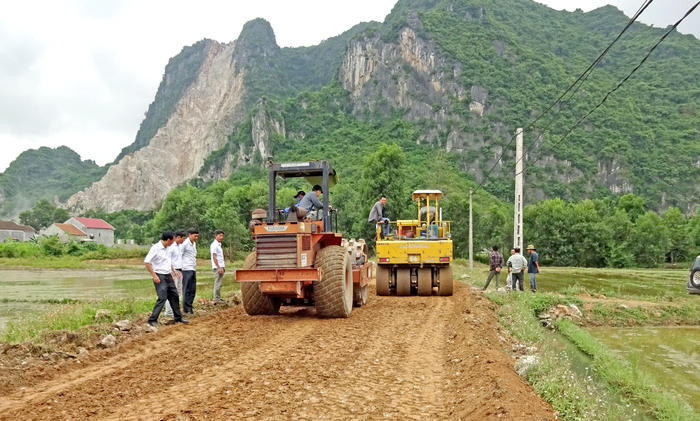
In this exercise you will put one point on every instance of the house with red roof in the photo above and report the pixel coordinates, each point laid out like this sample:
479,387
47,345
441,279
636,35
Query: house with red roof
97,229
66,232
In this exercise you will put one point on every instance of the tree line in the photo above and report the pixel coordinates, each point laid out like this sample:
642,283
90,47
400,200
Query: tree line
607,232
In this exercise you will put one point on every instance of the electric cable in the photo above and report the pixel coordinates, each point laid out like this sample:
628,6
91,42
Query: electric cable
576,84
621,82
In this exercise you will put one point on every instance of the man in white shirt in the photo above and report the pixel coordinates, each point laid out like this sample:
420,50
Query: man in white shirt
189,270
217,264
175,251
516,263
159,265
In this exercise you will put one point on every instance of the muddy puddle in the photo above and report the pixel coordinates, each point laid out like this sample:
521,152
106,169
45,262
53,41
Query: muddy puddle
671,355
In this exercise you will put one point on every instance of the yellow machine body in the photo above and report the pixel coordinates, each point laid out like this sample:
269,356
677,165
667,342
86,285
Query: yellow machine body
416,257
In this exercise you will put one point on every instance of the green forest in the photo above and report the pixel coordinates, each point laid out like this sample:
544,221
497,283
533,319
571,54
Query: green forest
45,173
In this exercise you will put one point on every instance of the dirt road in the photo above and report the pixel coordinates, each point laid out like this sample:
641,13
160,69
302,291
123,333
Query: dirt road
395,358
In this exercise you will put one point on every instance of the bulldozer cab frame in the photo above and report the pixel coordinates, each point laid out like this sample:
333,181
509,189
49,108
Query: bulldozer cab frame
315,172
303,262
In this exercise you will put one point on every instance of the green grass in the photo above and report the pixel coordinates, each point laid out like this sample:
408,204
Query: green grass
623,376
69,314
72,317
657,296
63,262
575,397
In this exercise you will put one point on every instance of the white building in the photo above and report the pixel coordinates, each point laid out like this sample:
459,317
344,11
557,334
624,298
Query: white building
15,232
96,229
66,232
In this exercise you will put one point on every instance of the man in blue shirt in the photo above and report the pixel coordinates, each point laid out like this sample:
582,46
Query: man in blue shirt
300,195
533,266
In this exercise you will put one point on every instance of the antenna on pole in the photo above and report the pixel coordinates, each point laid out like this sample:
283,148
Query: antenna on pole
518,205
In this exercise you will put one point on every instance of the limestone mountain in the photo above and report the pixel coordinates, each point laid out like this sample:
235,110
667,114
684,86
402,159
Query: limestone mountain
464,74
45,173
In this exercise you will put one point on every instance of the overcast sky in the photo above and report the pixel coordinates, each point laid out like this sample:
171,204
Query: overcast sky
82,73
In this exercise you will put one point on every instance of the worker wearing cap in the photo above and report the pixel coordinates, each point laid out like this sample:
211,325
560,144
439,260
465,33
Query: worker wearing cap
533,266
310,203
300,195
257,217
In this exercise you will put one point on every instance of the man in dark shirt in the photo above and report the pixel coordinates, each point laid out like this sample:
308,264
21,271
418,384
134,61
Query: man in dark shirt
533,266
495,265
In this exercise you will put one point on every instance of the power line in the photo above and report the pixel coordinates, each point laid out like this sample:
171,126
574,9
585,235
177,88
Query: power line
577,84
619,84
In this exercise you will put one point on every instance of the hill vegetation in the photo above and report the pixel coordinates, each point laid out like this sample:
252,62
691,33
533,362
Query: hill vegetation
644,140
44,173
622,190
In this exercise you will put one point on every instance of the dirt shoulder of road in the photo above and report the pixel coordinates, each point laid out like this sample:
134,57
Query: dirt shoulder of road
396,357
57,352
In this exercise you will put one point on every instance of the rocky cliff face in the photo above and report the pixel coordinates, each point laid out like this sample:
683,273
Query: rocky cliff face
407,74
200,124
202,119
412,74
460,71
265,125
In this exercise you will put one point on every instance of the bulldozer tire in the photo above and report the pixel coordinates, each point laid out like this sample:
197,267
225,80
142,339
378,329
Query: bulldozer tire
255,302
333,294
446,282
403,282
382,279
425,282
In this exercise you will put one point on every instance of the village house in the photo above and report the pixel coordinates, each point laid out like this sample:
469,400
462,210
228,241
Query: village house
96,229
15,232
66,232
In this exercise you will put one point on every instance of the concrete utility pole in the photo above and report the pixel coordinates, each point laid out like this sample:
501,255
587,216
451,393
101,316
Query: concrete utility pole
518,208
471,232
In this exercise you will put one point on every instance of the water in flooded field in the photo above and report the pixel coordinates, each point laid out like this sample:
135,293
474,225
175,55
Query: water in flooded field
671,355
24,292
651,283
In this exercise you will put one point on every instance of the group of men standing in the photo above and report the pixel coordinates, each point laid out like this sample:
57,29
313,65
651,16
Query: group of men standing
516,265
172,262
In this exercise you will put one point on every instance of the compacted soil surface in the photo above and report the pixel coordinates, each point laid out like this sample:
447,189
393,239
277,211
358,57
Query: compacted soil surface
394,358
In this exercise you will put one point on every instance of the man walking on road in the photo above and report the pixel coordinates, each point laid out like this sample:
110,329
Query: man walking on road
217,264
176,259
160,267
495,265
533,266
376,216
516,264
189,270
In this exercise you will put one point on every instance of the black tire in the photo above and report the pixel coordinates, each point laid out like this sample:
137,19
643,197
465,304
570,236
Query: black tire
425,282
446,282
382,280
255,302
695,278
403,282
333,294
